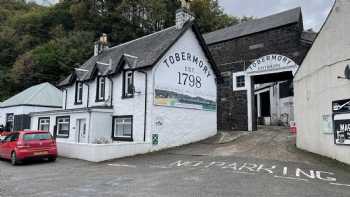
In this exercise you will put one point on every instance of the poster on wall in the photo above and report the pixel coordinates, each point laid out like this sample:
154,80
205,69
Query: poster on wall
342,129
185,79
341,121
326,124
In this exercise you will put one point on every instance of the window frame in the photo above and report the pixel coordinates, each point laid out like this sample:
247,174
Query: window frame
57,127
239,83
43,118
12,121
235,76
79,94
120,138
99,96
126,86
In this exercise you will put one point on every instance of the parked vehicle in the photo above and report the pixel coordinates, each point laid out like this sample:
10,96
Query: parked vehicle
22,145
3,134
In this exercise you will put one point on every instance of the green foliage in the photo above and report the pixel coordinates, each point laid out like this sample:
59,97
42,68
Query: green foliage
39,44
210,16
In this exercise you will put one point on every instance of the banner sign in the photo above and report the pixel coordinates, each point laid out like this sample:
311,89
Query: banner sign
341,121
271,64
341,106
185,79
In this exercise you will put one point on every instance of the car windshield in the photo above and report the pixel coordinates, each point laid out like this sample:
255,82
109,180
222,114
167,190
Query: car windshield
36,136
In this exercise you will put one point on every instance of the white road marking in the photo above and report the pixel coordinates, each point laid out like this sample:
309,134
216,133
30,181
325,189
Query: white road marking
161,167
340,184
238,172
291,178
122,165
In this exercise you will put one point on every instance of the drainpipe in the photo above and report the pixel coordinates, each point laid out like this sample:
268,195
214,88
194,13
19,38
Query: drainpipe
145,115
88,95
110,79
65,102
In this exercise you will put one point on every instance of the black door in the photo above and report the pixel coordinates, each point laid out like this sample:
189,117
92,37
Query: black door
265,104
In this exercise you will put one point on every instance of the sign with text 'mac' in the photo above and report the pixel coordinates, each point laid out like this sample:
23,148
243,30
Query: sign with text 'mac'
271,64
341,121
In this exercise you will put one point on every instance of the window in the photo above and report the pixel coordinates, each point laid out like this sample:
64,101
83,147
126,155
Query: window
44,124
63,125
79,93
239,81
128,88
37,136
122,128
286,89
9,122
12,137
101,89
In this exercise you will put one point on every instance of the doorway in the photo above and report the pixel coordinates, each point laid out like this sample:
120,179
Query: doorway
81,131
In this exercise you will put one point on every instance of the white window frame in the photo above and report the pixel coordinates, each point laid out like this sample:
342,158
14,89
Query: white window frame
101,88
123,123
128,83
66,120
79,94
234,78
44,121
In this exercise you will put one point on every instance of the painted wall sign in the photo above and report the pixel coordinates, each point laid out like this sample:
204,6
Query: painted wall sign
271,64
185,80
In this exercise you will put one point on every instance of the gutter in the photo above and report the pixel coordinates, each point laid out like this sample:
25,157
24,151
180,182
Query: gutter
145,110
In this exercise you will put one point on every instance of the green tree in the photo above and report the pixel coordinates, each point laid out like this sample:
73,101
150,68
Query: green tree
210,16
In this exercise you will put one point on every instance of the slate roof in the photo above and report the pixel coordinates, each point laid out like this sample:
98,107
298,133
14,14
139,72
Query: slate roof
43,94
308,36
254,26
148,50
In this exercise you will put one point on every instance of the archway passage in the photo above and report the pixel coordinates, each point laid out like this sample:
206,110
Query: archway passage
270,91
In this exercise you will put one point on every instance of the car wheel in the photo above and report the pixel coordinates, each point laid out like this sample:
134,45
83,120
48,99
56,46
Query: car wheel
14,160
52,159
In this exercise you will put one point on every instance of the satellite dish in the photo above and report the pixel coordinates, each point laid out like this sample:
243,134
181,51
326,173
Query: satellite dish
347,72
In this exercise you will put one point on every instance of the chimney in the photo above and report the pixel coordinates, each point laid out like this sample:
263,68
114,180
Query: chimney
101,44
183,14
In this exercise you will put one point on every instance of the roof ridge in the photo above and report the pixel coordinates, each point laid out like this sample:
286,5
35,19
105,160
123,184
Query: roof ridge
286,17
131,41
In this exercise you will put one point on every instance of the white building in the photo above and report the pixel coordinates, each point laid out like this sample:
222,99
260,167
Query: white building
148,94
274,103
14,112
321,91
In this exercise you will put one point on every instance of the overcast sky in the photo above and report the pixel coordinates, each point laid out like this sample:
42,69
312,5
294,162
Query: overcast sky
314,11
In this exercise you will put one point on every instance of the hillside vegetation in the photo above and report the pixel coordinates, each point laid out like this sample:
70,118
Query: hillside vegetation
44,44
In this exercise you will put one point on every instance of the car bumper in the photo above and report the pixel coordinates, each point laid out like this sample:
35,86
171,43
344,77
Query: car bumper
38,153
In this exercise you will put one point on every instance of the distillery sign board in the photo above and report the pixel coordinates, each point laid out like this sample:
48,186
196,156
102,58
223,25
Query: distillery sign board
271,64
341,121
185,79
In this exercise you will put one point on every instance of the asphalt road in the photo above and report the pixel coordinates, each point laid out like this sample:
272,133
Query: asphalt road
201,169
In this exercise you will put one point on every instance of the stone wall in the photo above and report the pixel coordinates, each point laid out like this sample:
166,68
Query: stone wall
237,55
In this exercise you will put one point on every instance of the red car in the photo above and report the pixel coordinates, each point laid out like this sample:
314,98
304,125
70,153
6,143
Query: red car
22,145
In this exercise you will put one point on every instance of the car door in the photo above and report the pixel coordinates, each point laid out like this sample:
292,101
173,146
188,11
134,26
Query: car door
4,146
10,144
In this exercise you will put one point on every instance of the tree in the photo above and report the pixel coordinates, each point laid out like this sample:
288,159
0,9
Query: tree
210,16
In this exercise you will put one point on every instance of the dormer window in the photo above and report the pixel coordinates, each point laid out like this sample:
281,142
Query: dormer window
101,89
78,93
128,84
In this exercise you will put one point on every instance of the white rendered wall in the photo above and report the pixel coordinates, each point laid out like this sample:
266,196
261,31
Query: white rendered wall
88,88
316,85
179,125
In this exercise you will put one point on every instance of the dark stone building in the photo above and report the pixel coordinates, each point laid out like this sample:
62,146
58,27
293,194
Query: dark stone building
235,48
